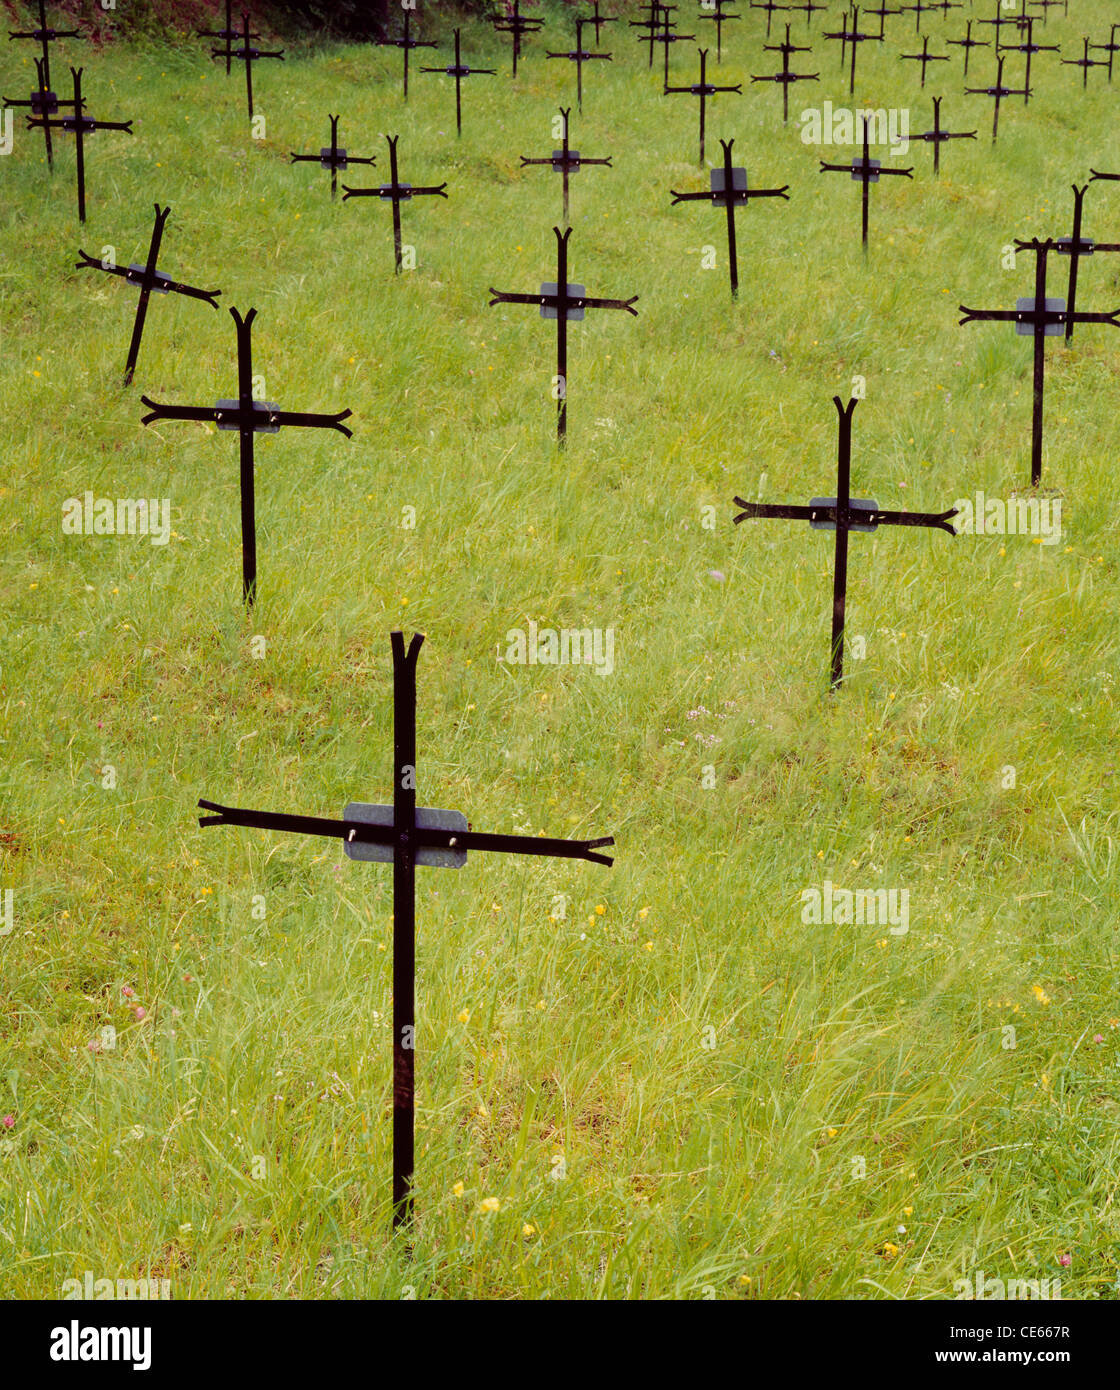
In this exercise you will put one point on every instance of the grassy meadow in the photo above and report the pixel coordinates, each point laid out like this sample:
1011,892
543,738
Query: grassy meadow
651,1081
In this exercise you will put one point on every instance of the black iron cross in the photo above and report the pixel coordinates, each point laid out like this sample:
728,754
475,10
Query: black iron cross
729,190
937,136
42,102
999,91
999,20
600,19
580,55
397,193
946,5
1040,318
702,89
1085,63
666,37
786,77
150,281
842,514
79,126
1030,48
458,72
968,43
248,55
562,301
405,836
769,6
866,171
1045,6
882,12
249,417
925,57
518,26
917,10
1111,47
810,7
406,43
1076,246
720,17
333,157
855,38
650,24
227,36
565,161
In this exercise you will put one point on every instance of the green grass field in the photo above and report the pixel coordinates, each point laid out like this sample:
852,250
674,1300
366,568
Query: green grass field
652,1081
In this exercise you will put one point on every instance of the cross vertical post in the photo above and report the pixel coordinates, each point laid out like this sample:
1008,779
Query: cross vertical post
248,417
150,280
562,301
395,192
729,190
842,514
405,836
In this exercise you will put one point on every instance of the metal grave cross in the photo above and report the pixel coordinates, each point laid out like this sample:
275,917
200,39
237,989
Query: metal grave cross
600,19
458,71
854,37
720,17
666,37
918,9
968,43
1111,48
580,55
650,24
406,43
406,836
810,6
882,12
334,157
150,281
1040,318
563,302
866,171
1030,48
841,514
1075,246
248,55
248,417
999,91
43,101
729,190
79,125
397,193
1085,63
786,77
937,136
925,57
565,161
518,26
769,6
702,89
227,36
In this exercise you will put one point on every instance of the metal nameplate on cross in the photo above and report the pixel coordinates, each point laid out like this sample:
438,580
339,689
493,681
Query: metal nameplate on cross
559,299
396,193
729,190
865,171
843,514
248,417
149,280
79,125
702,89
565,161
333,157
1038,317
458,70
786,76
406,836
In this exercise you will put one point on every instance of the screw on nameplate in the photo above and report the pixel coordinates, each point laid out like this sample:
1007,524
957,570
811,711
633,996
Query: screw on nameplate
426,819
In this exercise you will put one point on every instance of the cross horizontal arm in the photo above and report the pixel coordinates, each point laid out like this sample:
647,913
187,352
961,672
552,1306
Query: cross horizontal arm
858,167
359,832
260,417
388,190
136,277
940,520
